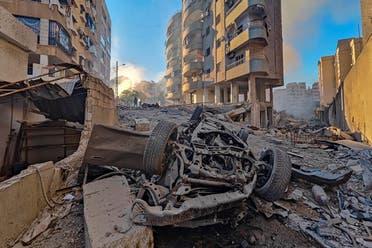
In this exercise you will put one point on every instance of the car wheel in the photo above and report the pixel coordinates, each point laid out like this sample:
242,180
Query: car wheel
274,179
155,150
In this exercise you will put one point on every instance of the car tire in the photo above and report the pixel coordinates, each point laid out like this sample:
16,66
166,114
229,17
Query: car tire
154,154
277,177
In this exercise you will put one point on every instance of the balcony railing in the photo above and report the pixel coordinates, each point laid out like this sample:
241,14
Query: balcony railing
236,63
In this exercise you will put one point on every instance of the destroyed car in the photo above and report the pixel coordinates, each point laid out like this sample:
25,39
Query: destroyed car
201,173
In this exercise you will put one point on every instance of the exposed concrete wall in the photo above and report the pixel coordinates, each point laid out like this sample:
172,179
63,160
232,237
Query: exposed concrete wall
22,199
100,104
357,94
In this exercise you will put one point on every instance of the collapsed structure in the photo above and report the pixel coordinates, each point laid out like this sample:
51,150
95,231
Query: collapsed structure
232,51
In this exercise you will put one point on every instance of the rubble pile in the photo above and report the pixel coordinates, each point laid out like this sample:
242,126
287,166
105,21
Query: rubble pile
214,165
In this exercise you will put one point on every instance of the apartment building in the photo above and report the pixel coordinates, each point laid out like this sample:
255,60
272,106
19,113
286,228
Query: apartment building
68,31
332,70
297,100
232,52
173,53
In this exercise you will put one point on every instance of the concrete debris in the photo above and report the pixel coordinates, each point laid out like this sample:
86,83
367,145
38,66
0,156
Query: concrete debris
142,125
320,195
107,205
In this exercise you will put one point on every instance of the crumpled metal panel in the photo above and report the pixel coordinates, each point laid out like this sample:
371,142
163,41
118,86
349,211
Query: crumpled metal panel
116,147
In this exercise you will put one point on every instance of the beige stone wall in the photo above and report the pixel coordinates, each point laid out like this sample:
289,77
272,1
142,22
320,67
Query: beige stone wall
357,94
16,40
327,80
366,6
22,199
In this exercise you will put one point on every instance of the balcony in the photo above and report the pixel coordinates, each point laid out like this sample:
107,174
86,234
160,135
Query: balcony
244,67
190,85
196,26
169,83
256,34
194,44
195,6
255,7
174,62
192,67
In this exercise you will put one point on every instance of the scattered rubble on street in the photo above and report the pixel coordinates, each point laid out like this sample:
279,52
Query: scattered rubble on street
327,203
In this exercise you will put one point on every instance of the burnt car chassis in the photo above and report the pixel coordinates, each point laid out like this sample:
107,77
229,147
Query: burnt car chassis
201,173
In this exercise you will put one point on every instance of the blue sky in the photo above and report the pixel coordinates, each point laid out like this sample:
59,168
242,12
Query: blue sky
310,30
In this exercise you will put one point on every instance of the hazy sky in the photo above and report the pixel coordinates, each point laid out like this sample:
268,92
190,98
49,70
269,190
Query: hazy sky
310,30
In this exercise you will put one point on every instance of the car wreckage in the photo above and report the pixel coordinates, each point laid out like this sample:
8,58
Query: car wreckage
204,173
199,173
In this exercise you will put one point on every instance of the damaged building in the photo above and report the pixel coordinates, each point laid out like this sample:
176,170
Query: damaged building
68,31
232,52
344,81
297,99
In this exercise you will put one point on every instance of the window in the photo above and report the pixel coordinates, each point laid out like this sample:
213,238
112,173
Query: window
208,52
239,30
208,31
218,67
58,36
208,71
30,69
218,19
218,43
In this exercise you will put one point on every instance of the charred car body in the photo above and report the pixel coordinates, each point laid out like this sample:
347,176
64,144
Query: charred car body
198,173
204,172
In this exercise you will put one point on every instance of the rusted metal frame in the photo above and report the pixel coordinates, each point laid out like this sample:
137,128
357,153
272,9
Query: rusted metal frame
50,146
34,86
32,78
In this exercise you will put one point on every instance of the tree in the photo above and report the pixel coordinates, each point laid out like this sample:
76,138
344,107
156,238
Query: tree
128,97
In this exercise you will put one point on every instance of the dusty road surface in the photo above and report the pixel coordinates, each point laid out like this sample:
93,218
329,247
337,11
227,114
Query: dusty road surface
297,220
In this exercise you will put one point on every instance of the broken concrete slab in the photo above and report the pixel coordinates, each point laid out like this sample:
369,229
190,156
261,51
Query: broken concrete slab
107,206
22,198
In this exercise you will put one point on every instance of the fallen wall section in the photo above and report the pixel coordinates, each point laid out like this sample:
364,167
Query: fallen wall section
107,206
22,199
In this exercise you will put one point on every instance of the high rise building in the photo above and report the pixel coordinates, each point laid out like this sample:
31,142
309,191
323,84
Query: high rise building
366,6
68,31
174,59
232,52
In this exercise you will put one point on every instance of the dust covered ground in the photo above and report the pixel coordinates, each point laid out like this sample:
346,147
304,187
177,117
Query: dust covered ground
295,221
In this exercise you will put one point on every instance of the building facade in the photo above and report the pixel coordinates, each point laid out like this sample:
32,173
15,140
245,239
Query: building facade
174,59
232,52
297,100
68,31
366,7
16,42
332,70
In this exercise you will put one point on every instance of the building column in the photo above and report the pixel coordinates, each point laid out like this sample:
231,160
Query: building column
217,94
205,95
252,98
44,32
225,94
234,92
